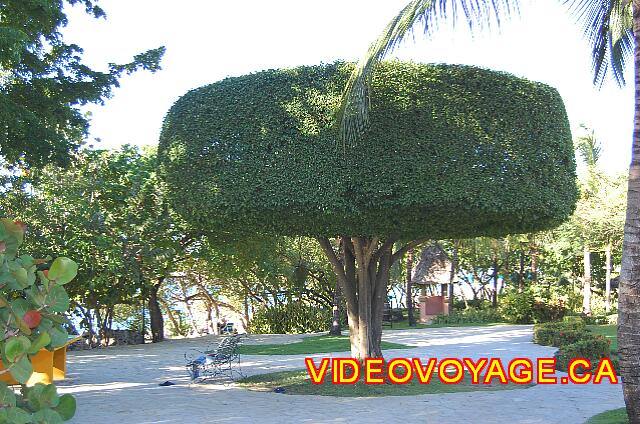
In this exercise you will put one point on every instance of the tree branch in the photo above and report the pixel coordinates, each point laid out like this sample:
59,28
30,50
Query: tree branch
411,245
341,270
388,243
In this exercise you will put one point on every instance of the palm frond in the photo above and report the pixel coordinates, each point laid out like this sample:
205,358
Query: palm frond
353,114
608,26
588,147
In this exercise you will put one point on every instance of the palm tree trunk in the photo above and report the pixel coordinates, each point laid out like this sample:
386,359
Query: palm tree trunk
629,303
586,286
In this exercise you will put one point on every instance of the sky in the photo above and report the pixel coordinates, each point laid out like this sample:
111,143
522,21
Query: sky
208,40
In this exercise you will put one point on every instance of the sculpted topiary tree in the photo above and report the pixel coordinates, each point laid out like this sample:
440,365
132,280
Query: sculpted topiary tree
452,152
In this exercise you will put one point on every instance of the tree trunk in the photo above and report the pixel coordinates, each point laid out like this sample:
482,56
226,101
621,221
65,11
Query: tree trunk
607,296
494,294
363,276
521,274
336,330
172,318
155,313
629,290
495,256
187,304
586,286
100,329
143,324
534,260
247,322
452,274
409,279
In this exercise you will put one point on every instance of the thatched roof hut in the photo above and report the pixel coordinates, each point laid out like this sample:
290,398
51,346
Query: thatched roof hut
434,266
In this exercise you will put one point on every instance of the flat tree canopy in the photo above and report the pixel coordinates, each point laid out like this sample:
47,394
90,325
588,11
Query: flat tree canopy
452,152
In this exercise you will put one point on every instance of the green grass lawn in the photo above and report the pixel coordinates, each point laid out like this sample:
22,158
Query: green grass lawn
609,331
309,345
615,416
298,383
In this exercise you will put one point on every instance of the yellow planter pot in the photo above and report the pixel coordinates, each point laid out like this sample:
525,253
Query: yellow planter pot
47,366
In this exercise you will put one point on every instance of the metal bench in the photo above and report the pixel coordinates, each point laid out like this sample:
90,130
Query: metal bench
221,360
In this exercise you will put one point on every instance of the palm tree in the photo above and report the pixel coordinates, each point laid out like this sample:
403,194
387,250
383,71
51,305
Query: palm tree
613,29
589,149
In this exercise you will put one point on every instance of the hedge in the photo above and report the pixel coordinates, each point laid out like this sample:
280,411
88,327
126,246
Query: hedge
593,348
470,316
574,340
452,152
291,318
552,333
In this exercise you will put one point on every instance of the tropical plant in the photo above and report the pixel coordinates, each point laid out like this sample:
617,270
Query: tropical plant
32,306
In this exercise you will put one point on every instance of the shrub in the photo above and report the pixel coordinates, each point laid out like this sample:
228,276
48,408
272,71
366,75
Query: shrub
574,340
593,348
397,315
517,308
290,318
524,308
558,333
573,319
469,316
32,303
548,311
597,319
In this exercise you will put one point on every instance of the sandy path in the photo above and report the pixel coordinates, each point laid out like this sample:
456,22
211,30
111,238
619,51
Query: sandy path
120,385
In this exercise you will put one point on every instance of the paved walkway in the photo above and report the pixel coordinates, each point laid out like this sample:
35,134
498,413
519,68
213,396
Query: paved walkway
120,385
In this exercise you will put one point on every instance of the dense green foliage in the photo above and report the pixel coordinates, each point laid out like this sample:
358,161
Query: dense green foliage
291,318
524,308
594,348
470,316
448,154
107,210
513,307
43,82
32,306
